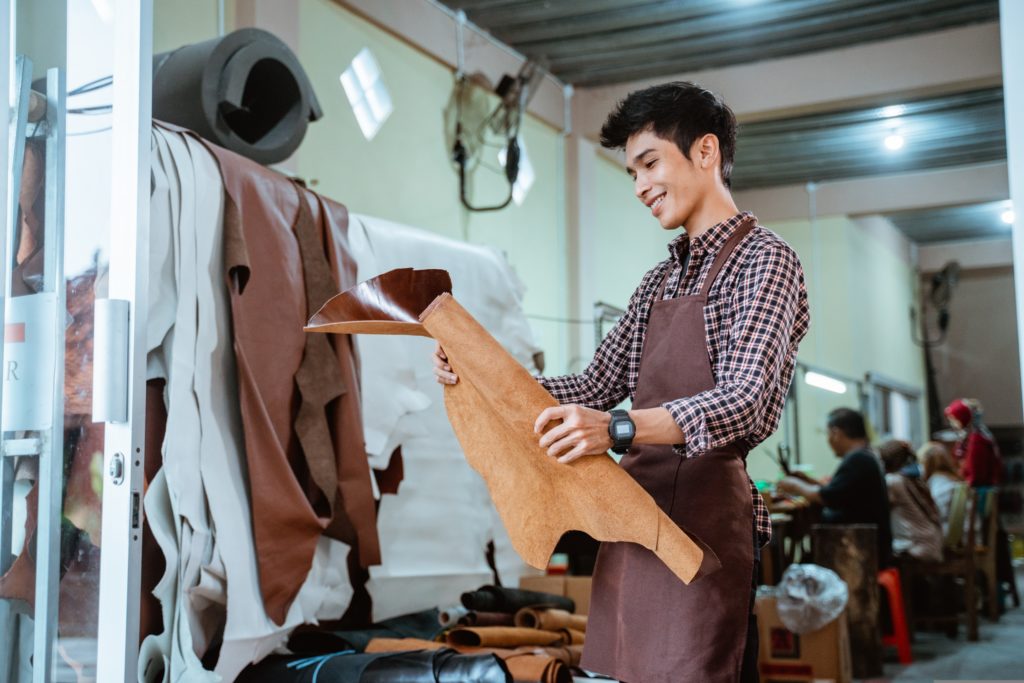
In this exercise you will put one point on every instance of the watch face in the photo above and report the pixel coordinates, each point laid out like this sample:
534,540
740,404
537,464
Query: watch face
622,430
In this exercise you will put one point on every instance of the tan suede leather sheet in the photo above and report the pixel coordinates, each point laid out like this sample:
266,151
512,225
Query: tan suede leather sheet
492,410
550,619
505,636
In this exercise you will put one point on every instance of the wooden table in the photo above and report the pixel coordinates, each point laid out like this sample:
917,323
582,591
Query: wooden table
792,519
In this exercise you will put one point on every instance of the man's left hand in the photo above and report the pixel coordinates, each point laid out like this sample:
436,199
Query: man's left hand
583,431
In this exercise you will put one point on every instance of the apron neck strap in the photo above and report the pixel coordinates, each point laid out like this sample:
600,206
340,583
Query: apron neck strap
723,254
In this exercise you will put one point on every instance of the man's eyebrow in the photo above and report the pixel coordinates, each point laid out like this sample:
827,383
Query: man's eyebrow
642,154
636,160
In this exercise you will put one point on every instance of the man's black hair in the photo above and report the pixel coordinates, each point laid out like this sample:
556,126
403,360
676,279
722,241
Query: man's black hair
679,111
849,422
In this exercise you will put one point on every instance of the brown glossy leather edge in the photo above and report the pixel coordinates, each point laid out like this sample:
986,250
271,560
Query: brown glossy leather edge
390,303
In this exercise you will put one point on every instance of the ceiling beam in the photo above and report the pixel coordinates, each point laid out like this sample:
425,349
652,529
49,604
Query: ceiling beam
881,194
970,254
877,73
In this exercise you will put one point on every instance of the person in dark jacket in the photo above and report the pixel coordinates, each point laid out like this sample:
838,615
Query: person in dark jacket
856,494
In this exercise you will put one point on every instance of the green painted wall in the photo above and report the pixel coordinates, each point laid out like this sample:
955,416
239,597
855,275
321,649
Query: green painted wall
627,239
182,22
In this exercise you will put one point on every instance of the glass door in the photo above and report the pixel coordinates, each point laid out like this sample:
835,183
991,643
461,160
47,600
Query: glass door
71,192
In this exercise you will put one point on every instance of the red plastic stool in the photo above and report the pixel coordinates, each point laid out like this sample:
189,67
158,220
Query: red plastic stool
889,581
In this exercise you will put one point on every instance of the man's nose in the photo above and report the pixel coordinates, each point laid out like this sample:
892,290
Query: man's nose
640,187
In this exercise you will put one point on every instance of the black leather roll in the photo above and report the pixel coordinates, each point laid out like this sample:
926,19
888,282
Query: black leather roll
436,666
511,600
246,92
420,666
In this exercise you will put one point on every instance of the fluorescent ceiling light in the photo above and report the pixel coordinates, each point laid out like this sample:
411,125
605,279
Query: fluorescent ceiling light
370,100
1008,216
894,141
816,379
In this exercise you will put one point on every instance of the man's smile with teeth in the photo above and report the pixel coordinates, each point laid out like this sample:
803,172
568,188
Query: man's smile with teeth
657,202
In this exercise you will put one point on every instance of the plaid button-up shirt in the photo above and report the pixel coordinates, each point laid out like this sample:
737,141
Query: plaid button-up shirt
756,315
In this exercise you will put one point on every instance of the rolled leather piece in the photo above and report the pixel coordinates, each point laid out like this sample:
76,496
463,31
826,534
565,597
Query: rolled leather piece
245,91
505,636
403,645
437,666
549,619
567,654
511,600
487,619
529,664
449,616
422,625
572,637
496,401
537,668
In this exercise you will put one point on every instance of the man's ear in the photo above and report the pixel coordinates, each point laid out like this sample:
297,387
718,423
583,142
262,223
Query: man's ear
707,151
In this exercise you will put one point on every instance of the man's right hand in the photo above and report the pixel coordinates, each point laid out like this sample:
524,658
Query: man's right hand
442,370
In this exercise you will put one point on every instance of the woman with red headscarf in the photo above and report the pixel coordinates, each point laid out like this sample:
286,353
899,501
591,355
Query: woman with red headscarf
976,452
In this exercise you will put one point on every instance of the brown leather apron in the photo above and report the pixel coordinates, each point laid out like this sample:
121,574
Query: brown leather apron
647,626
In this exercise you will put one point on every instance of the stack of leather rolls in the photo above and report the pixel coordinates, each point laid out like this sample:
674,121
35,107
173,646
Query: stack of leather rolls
536,634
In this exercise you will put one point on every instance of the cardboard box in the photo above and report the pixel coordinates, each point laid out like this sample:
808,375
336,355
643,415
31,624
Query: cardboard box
575,587
816,657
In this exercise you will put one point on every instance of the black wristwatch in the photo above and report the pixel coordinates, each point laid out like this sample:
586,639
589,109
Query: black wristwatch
621,430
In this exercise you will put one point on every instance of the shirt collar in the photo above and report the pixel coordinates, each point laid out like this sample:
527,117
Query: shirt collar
710,241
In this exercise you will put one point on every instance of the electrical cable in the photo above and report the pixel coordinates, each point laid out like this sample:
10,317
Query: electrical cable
554,319
97,84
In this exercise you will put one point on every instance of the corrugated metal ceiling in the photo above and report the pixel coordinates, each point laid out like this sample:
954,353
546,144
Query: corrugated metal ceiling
594,42
951,130
975,221
598,42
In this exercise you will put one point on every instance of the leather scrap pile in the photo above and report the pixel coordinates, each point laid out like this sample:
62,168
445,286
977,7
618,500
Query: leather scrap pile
495,635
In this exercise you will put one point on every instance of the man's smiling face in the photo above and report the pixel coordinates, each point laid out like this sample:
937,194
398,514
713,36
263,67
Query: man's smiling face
668,183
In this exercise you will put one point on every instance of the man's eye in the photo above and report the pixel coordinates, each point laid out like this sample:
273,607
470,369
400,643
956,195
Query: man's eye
650,163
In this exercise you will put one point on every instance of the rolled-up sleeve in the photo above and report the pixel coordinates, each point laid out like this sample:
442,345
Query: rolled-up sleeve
766,302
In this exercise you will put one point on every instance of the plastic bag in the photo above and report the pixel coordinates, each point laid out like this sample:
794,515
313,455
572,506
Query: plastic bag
809,596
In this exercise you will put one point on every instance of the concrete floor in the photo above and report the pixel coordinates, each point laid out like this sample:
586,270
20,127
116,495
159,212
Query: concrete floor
998,654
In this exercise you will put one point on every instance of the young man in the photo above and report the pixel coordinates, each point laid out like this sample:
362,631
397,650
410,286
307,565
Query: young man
706,352
857,493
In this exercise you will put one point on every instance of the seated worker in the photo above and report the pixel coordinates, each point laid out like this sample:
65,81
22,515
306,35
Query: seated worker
940,474
856,494
916,529
977,451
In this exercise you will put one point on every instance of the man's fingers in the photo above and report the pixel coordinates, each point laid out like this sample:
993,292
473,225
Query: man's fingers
442,370
564,446
440,360
546,416
554,434
578,452
446,377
